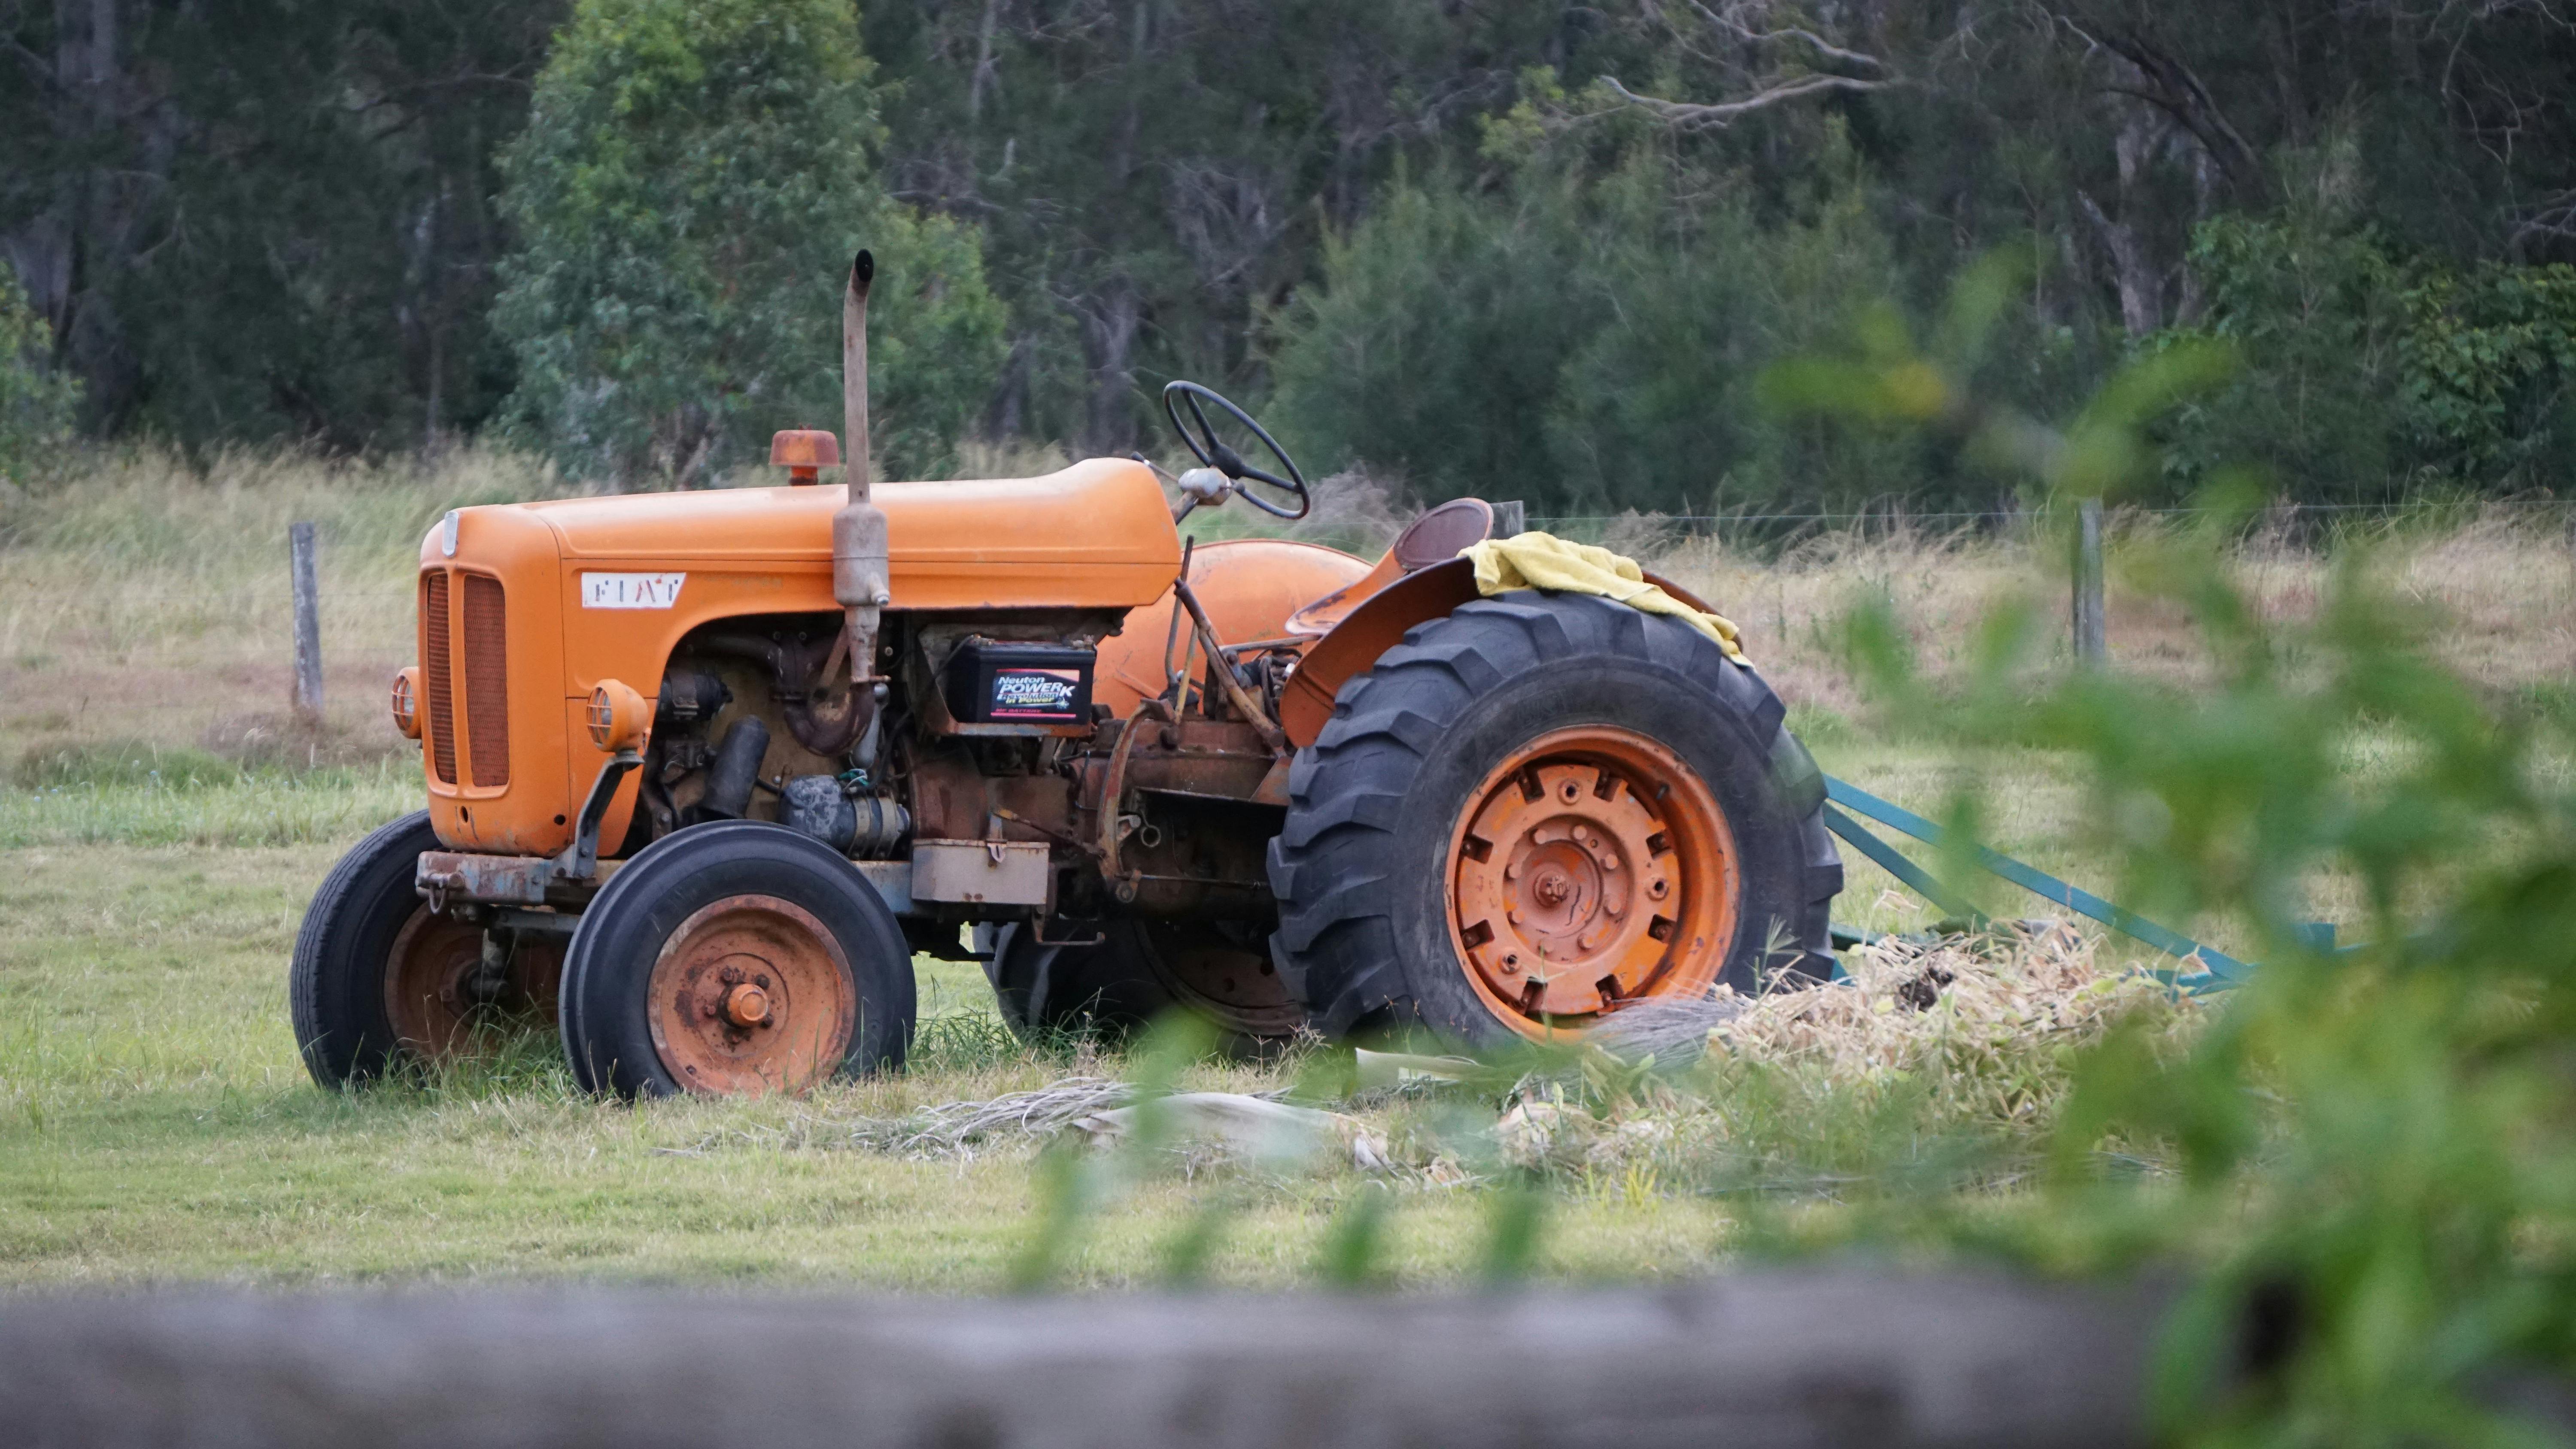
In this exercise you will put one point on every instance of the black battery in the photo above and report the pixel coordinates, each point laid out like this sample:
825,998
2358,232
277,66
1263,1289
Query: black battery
988,682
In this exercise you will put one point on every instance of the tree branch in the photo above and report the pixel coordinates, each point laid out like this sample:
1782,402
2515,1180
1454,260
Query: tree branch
2174,90
1694,116
1788,32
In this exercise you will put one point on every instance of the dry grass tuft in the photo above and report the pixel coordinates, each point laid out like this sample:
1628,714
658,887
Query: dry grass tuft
947,1129
1995,1019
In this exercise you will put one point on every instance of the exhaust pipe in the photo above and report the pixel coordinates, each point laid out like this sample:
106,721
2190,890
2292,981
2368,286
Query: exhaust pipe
860,577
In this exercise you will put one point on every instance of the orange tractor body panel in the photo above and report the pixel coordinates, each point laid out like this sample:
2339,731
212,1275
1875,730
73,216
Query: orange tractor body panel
1250,587
591,589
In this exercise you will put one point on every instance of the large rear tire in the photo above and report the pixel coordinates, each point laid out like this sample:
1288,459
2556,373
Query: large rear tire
735,959
378,982
1538,810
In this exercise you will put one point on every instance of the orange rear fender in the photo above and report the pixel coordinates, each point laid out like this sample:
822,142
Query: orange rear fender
1378,624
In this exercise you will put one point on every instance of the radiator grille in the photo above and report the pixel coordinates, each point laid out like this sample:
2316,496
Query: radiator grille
433,663
487,688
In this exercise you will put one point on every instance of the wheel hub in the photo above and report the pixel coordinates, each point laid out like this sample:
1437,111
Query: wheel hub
1592,869
747,1006
751,994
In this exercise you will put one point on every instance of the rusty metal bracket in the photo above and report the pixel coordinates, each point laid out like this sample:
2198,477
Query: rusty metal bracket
1037,933
1049,831
1175,676
1112,786
444,877
580,860
1235,694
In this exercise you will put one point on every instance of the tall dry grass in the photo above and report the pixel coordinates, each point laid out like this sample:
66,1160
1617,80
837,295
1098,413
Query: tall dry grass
2495,588
145,600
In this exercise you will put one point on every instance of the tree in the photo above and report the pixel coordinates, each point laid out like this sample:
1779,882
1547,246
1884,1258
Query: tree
693,178
36,402
245,220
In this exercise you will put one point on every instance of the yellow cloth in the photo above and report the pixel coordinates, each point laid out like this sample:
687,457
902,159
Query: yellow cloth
1545,561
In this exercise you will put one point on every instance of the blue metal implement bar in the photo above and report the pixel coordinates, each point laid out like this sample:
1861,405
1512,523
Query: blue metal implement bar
1915,877
2037,882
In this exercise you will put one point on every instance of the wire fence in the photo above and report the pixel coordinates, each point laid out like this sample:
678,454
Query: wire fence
2276,514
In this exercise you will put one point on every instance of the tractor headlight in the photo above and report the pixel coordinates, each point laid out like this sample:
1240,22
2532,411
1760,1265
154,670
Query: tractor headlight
619,717
406,702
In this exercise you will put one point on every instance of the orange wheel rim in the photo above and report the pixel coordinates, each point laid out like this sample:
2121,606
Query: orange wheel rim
1592,869
429,986
439,1008
751,995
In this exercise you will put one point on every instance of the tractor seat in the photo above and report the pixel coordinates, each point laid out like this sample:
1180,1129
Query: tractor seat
1438,536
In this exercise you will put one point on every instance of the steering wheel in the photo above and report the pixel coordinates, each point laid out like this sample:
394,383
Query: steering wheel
1210,450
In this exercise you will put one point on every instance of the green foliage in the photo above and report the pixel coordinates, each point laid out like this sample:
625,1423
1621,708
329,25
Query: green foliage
1590,344
2388,1136
2368,1162
2369,373
2490,373
1435,346
37,402
688,193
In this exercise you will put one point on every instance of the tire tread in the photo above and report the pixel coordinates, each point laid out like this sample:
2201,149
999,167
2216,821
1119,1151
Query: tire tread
1329,866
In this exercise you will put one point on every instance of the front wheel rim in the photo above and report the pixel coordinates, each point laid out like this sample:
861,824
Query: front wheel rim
444,1008
430,980
751,995
1590,870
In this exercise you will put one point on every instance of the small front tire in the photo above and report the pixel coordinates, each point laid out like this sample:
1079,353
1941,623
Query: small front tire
735,959
380,982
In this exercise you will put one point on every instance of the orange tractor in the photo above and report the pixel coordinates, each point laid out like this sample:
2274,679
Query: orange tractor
707,770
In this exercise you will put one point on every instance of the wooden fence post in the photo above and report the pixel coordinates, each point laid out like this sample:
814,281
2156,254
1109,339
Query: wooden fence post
2091,642
1806,1358
308,625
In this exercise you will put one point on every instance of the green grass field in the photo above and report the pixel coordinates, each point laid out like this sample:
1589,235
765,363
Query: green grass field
155,1123
162,827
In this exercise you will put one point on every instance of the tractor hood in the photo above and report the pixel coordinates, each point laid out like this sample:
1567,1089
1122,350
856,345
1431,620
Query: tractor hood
1097,534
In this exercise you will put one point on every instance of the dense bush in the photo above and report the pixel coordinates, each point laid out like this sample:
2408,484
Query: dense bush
2368,373
1593,344
688,193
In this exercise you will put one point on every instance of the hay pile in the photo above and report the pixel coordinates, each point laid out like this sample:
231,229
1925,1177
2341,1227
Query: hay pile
1996,1016
1988,1025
